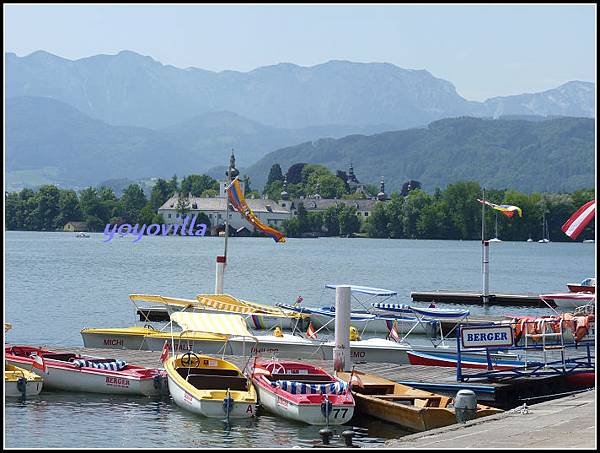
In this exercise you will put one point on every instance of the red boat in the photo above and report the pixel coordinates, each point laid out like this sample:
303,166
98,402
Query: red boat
587,285
302,392
75,373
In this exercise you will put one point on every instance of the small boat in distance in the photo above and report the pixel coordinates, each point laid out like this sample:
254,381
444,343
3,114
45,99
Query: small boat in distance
545,233
414,409
81,234
74,373
496,239
302,392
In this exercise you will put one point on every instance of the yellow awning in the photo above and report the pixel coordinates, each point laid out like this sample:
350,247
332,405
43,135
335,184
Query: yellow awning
215,323
225,302
164,300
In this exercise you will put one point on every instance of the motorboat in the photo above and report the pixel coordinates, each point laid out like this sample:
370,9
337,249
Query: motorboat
570,300
302,392
81,234
413,409
258,316
444,359
75,373
19,382
587,285
210,386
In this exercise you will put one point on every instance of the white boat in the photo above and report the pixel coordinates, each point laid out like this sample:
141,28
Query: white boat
74,373
302,392
545,233
496,239
19,382
571,300
81,234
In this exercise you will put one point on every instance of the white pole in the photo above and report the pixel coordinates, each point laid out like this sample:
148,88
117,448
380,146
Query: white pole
341,350
486,271
219,274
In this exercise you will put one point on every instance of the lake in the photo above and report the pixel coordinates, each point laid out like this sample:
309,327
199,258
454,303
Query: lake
57,284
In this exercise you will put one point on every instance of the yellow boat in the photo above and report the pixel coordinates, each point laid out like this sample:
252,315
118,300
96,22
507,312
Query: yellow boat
210,386
18,382
414,409
258,316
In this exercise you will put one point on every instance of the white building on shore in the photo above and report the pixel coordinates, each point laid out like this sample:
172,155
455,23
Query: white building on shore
268,211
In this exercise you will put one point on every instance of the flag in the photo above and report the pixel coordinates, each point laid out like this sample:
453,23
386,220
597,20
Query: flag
579,220
355,381
310,332
506,209
165,352
431,305
38,362
393,332
236,197
299,299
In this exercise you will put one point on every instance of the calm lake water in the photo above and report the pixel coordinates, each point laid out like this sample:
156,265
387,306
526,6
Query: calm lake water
57,284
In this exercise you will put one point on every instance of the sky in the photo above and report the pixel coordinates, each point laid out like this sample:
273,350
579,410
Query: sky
485,50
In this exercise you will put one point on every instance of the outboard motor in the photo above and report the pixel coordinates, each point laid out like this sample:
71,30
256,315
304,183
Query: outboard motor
22,386
227,406
465,405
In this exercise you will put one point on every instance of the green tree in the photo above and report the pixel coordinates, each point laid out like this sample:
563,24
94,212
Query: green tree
133,201
377,222
159,194
348,220
69,208
48,207
196,184
146,215
275,174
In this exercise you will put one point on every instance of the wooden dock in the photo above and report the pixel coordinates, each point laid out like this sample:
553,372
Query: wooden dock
467,298
504,394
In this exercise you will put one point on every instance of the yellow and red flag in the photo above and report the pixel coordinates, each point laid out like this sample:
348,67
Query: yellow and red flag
506,209
237,199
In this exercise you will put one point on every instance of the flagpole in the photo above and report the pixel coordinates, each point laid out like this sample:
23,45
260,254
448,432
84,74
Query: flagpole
484,255
222,260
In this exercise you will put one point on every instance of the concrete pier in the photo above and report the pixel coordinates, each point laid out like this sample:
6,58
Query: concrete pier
568,422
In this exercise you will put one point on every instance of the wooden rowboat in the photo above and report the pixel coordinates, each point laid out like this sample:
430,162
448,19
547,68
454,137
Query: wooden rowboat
413,409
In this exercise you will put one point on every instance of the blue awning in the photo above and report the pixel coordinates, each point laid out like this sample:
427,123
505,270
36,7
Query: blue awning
367,290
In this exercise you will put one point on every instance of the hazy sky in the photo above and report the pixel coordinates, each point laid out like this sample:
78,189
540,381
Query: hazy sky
484,50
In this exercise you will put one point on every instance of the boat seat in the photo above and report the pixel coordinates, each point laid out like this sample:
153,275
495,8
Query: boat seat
62,357
184,371
215,382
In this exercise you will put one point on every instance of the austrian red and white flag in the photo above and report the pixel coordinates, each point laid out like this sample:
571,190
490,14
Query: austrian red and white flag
394,333
165,352
578,221
38,362
310,332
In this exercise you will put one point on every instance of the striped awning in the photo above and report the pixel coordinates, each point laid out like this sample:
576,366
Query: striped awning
163,300
231,304
215,323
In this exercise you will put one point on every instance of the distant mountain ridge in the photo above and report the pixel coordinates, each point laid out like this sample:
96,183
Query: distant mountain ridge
551,155
135,90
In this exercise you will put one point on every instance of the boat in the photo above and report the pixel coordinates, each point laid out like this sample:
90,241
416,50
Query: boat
529,240
19,382
586,285
570,300
258,316
302,392
413,409
81,234
444,359
545,233
75,373
496,239
210,386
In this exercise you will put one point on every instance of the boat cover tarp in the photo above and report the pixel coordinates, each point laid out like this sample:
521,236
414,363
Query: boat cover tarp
215,323
367,290
335,388
114,365
427,312
328,312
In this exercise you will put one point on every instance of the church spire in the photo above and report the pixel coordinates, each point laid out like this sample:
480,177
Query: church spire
284,193
381,196
232,172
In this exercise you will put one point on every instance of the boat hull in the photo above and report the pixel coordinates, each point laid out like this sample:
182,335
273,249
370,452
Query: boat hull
33,384
306,413
68,377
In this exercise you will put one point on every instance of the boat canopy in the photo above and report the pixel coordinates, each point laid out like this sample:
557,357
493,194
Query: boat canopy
436,313
163,300
366,290
226,302
215,323
590,281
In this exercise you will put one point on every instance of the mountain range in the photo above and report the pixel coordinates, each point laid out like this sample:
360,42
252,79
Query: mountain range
78,122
